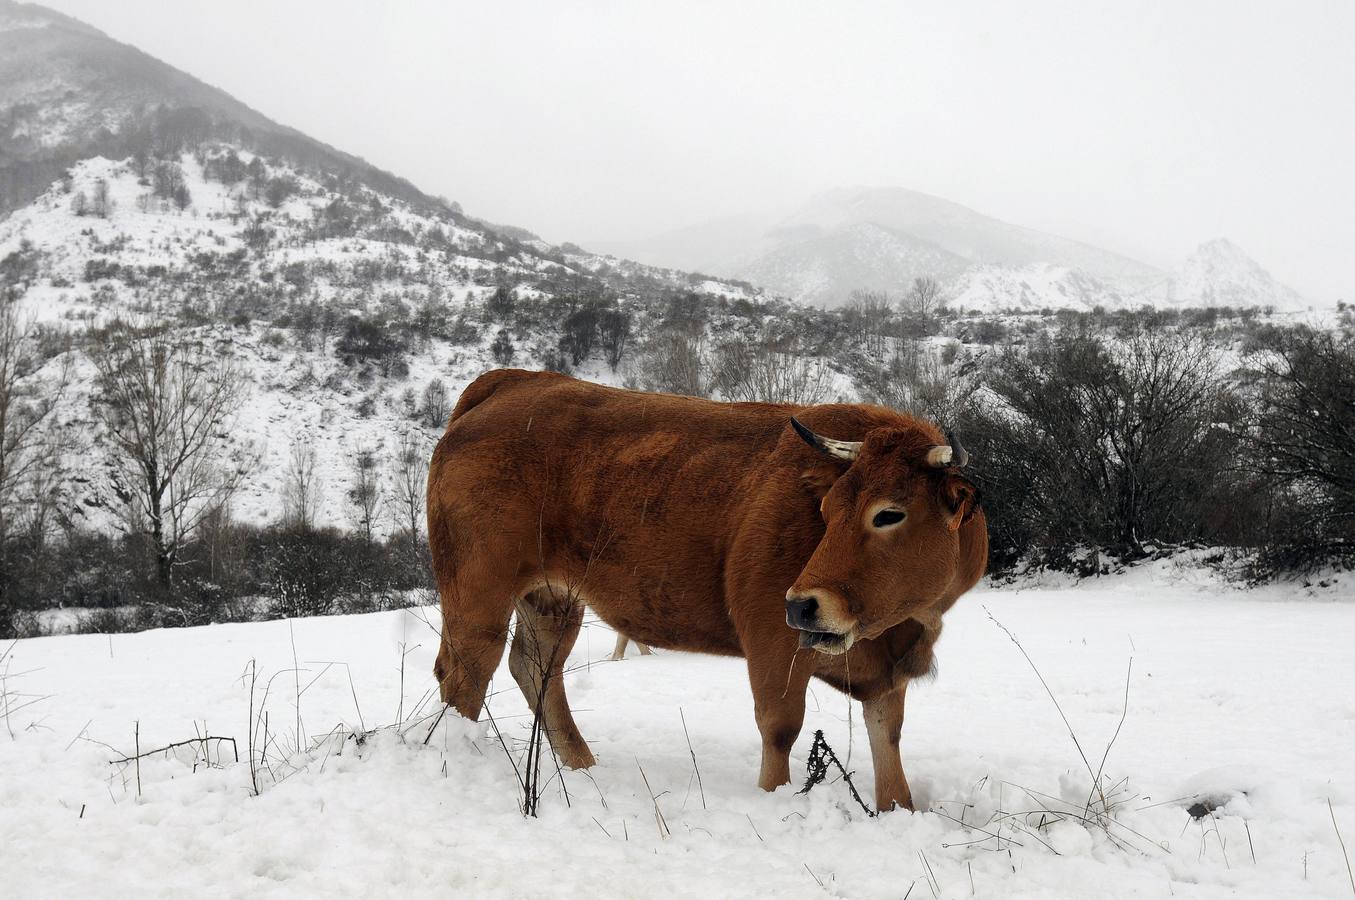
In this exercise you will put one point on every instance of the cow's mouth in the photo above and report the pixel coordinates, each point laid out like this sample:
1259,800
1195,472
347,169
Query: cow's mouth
825,642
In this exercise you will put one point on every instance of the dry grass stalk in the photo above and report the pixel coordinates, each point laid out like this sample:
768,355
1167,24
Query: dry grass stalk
659,820
695,767
1342,841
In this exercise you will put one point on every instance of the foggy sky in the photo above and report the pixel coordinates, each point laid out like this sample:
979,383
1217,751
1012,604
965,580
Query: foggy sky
1147,129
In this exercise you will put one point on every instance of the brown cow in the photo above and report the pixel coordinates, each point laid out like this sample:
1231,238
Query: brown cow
694,525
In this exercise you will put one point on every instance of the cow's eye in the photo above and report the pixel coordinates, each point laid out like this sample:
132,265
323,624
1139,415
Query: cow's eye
886,517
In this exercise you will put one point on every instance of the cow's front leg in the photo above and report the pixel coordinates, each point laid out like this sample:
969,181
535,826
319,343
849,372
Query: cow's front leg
779,682
884,723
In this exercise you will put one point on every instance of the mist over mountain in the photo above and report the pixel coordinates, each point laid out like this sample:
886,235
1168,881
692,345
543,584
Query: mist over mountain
882,238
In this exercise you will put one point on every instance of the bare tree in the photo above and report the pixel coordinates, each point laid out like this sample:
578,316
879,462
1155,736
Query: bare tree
30,446
614,326
100,204
436,407
924,297
44,488
365,492
168,404
409,478
302,488
867,315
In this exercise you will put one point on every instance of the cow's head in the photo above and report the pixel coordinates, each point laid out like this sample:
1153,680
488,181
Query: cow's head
891,548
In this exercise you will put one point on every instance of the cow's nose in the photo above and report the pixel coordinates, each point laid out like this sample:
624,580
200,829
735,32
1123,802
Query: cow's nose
801,612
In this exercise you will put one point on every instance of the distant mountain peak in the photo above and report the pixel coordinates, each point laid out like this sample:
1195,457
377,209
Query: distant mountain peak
881,238
1220,273
1222,248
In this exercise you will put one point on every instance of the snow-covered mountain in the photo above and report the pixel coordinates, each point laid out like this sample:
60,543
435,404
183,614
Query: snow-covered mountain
882,238
1219,273
69,92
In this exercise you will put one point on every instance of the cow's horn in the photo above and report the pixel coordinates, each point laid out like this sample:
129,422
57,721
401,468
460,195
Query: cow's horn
948,456
847,450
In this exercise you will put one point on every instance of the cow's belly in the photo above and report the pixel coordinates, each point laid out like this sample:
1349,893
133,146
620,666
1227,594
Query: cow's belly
675,613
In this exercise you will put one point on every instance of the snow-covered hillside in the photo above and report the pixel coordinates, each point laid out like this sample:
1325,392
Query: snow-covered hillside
231,262
383,800
1033,287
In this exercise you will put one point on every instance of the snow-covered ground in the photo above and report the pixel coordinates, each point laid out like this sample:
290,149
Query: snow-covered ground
1242,698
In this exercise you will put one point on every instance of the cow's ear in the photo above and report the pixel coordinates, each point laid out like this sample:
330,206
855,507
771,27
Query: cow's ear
819,480
961,499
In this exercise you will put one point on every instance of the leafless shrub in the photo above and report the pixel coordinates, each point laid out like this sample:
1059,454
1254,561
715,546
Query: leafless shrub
1301,442
755,372
12,700
1350,874
675,363
502,348
917,381
578,333
1104,444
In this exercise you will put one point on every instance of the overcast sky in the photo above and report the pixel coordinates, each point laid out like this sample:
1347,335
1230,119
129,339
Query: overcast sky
1147,128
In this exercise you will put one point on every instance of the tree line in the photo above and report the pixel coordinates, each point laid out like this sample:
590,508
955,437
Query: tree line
165,402
1103,439
1091,449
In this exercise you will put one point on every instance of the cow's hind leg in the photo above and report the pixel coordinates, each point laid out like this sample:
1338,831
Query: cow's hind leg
546,631
619,651
476,608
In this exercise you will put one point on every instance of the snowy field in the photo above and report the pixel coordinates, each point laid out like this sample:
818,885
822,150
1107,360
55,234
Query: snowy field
1240,699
